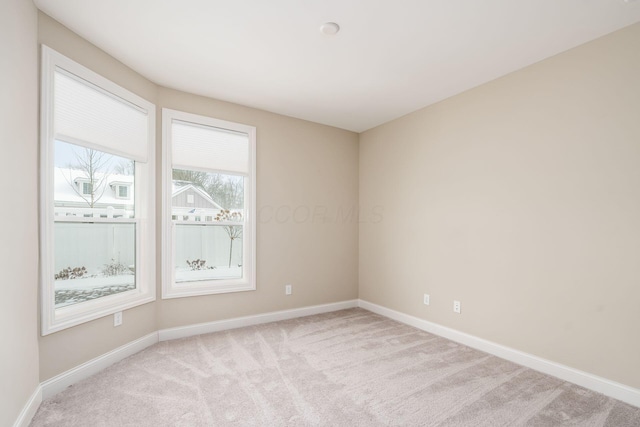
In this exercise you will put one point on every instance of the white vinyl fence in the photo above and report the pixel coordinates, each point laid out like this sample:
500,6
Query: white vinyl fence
95,245
210,243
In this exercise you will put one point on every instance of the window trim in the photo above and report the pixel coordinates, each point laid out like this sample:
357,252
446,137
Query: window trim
248,282
52,319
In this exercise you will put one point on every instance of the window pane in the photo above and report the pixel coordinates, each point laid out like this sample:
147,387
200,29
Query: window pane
212,250
93,260
87,181
208,252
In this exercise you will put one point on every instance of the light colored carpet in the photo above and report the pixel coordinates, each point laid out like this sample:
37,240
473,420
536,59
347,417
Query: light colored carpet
347,368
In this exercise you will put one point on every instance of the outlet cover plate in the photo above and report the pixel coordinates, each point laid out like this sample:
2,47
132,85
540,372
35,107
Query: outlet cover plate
456,307
117,318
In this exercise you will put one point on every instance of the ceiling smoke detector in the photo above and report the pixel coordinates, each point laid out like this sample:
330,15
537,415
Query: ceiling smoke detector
329,29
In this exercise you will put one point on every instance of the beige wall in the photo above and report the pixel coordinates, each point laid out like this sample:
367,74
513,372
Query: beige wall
18,183
303,168
521,199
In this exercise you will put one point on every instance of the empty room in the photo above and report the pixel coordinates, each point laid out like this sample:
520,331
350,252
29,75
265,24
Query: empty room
327,213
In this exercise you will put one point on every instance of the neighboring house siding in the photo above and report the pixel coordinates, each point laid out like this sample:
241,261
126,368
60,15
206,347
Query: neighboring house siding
198,201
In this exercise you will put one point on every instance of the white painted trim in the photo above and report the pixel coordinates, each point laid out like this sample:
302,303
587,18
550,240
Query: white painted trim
29,410
598,384
58,383
239,322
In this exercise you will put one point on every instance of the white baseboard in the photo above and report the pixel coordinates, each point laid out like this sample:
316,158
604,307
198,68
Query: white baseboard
30,408
607,387
239,322
58,383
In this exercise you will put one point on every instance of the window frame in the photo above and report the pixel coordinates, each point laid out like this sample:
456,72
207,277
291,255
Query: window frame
196,288
52,319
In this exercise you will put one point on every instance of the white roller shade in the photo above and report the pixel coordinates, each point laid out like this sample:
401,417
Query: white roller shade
84,113
209,148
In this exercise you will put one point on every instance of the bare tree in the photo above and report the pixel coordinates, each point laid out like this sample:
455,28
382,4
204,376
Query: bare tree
195,177
125,167
233,231
226,190
94,165
231,193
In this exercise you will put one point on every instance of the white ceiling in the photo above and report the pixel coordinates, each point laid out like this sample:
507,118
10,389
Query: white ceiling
389,59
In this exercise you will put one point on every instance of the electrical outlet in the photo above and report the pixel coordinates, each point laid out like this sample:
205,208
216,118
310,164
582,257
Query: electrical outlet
287,289
426,299
456,307
117,319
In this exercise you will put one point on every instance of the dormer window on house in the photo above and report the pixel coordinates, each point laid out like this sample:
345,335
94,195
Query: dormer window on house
121,190
87,188
84,186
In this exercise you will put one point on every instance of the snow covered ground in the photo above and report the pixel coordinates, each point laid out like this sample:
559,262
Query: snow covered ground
73,291
95,282
188,275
